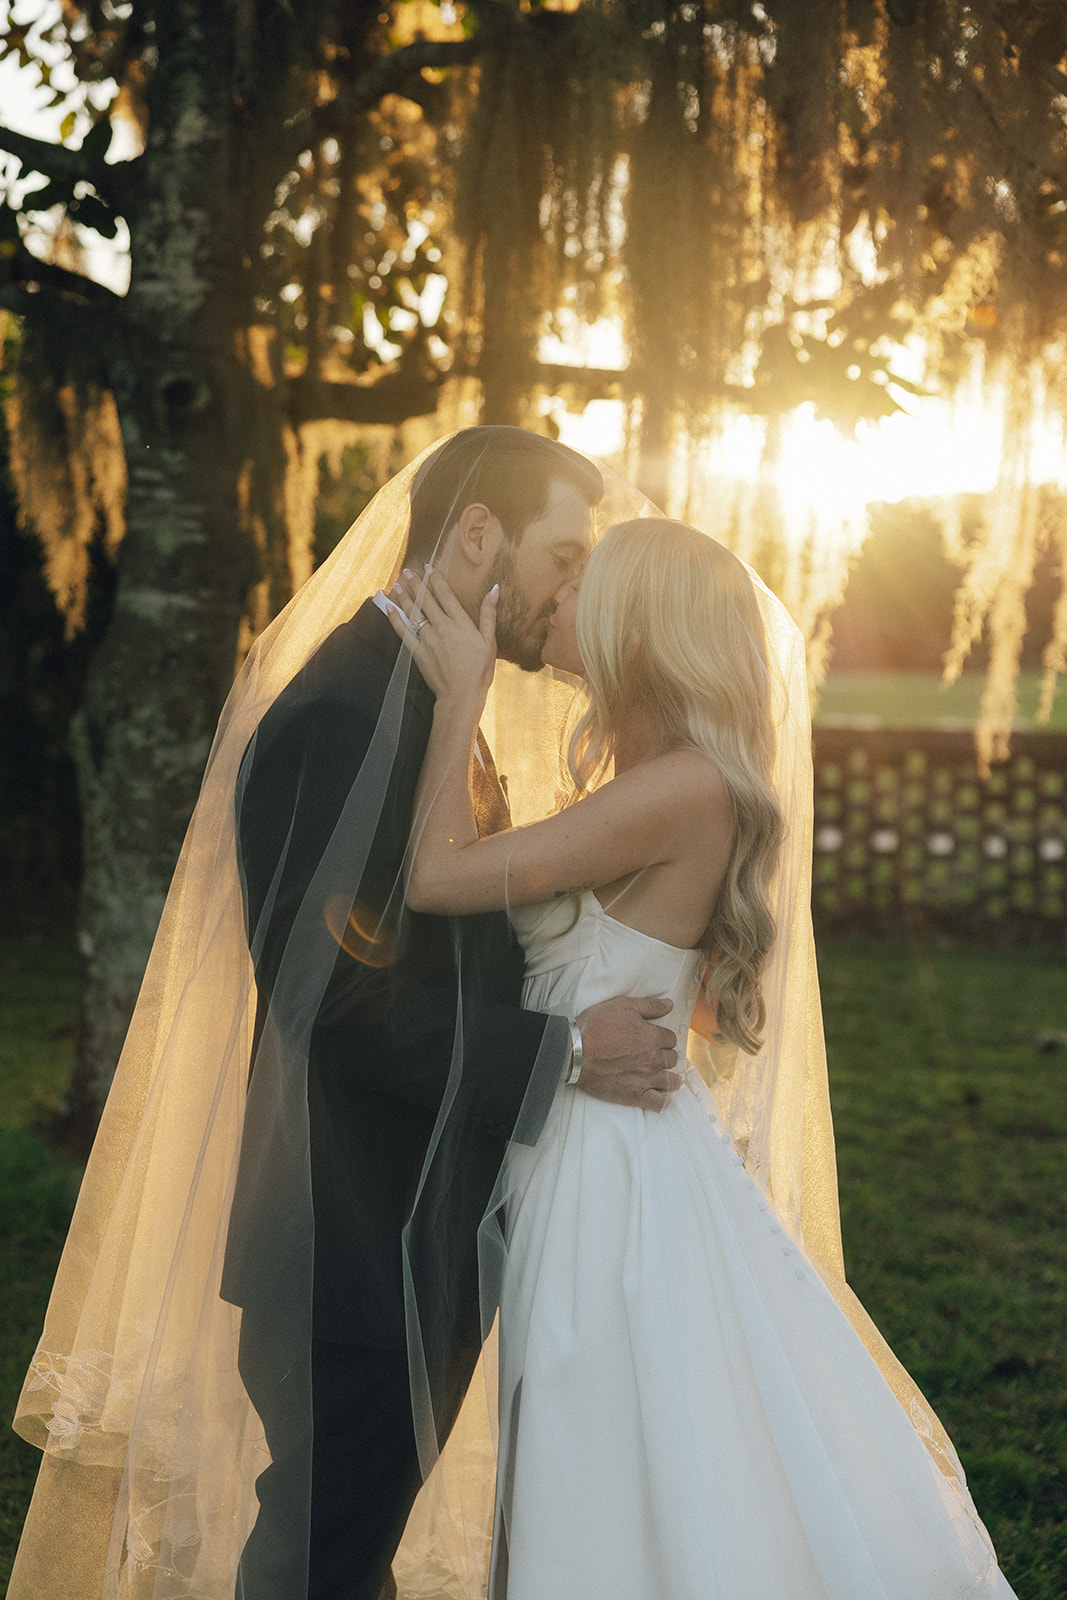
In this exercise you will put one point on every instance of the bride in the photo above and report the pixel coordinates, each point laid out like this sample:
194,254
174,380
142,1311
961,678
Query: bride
691,1402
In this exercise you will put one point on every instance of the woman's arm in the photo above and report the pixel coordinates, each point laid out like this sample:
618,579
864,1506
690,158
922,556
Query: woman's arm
642,818
635,821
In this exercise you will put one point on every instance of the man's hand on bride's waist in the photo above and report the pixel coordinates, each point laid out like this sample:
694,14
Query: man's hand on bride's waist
627,1057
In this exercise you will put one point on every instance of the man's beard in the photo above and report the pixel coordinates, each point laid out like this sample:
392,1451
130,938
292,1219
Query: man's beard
518,637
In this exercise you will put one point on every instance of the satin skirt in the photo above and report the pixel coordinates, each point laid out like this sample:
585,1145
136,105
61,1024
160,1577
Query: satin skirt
688,1414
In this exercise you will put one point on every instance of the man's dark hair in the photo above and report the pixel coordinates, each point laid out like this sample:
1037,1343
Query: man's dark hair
507,469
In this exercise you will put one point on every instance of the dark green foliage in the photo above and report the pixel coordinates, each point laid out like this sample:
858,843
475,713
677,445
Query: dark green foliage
897,612
41,676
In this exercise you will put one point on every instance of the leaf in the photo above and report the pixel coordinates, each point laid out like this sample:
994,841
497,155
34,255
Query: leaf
97,141
93,213
53,194
13,38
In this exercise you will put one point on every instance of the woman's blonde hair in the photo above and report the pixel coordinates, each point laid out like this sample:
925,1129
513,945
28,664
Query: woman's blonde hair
669,623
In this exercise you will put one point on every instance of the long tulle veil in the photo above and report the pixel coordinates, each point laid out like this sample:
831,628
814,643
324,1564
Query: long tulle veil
150,1444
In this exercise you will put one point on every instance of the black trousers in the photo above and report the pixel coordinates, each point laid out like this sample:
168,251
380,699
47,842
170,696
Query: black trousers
364,1469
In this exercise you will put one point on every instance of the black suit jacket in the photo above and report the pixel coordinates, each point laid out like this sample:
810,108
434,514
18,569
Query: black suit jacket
381,1047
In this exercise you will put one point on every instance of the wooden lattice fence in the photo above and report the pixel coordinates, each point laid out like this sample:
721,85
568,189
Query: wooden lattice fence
907,830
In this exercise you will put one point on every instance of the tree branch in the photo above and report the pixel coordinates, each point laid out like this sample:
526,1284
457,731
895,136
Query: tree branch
390,73
612,383
398,73
117,185
34,276
595,383
21,302
39,155
392,399
413,391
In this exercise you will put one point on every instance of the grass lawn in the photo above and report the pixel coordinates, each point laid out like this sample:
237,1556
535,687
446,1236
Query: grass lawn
921,700
952,1152
38,985
951,1128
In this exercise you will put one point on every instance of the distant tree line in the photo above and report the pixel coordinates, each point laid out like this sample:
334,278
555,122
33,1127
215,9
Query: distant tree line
898,608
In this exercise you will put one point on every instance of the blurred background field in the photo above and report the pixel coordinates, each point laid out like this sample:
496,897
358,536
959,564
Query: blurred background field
951,1125
923,700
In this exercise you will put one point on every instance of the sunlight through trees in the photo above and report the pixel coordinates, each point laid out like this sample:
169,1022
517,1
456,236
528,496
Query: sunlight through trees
352,226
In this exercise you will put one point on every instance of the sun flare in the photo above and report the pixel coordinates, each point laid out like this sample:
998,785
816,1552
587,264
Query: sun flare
935,449
794,500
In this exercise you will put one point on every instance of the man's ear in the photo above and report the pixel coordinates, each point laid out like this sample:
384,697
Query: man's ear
478,535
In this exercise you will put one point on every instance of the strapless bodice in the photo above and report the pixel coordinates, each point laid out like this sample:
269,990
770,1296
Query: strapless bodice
577,954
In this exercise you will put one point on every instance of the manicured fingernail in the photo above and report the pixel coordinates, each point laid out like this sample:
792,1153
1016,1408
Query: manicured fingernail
408,573
494,593
428,569
397,589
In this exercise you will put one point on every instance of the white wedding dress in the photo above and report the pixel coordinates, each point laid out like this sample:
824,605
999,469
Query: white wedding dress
686,1413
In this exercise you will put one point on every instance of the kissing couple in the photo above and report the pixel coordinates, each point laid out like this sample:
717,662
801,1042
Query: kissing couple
413,1093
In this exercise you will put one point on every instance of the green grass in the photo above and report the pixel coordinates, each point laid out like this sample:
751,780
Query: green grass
38,979
951,1128
921,700
38,999
951,1134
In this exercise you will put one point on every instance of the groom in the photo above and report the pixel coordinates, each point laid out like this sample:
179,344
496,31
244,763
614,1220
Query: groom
494,505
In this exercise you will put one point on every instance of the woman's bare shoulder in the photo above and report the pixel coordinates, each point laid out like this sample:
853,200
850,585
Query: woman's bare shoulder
688,773
678,786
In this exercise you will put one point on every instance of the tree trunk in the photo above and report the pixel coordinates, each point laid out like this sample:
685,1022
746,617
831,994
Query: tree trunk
184,392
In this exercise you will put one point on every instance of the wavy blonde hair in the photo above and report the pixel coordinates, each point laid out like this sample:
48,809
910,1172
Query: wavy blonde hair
669,623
